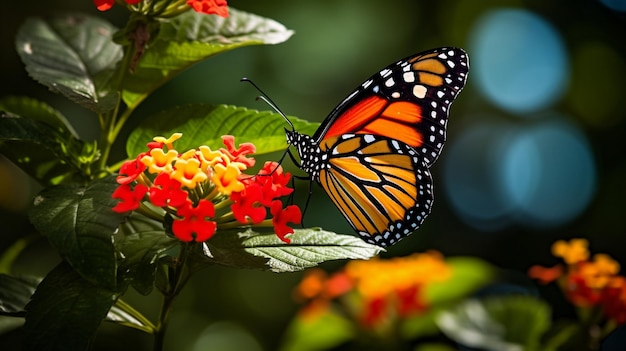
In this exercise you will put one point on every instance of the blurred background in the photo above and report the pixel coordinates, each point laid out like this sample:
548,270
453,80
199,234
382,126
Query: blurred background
535,148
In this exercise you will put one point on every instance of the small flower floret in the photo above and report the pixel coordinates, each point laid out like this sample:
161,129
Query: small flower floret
202,189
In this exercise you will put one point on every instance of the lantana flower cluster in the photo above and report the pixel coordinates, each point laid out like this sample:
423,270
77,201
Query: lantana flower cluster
379,290
204,190
209,7
587,282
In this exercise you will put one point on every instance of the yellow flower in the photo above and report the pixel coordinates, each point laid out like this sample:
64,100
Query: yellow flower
599,272
226,179
210,158
573,252
169,141
188,172
159,161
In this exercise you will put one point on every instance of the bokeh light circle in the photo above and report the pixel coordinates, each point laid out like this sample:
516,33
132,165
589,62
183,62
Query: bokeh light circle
470,183
617,5
536,175
549,173
519,60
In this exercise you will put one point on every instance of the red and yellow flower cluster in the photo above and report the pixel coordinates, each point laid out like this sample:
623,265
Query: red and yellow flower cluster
379,290
208,7
586,283
204,189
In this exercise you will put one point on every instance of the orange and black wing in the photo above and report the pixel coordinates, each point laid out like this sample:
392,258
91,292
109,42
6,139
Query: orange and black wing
407,101
380,185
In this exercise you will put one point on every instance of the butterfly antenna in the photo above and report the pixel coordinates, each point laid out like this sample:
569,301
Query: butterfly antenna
268,101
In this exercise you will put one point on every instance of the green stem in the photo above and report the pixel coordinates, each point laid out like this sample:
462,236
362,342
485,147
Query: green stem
178,279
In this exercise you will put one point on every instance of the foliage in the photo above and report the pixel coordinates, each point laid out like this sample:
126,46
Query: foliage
110,72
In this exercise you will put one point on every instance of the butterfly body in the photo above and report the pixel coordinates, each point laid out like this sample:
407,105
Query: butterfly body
373,152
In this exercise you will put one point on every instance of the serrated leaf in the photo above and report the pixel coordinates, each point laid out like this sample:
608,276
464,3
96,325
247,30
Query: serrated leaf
308,248
79,223
73,55
498,323
15,292
193,37
65,311
39,111
204,124
39,149
141,242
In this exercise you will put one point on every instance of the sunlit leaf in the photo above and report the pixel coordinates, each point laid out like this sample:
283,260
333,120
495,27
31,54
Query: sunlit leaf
72,55
317,330
65,311
468,275
204,124
498,323
308,248
193,37
79,223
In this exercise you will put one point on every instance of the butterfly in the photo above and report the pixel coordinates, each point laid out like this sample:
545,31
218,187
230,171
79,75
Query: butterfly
373,152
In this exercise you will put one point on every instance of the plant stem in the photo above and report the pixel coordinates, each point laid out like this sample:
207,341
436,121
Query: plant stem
179,276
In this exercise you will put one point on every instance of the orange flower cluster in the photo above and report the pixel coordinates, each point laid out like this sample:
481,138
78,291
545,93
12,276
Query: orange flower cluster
586,282
383,289
204,189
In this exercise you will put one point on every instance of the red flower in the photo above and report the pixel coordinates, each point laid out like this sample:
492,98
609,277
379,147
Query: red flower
282,216
247,204
614,300
210,7
130,170
274,181
579,292
130,198
195,224
374,311
234,154
409,300
105,5
167,191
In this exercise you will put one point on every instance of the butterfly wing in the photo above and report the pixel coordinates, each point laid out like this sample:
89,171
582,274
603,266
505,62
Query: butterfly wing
380,185
407,101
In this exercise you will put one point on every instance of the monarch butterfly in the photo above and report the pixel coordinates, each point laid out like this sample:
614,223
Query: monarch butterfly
373,152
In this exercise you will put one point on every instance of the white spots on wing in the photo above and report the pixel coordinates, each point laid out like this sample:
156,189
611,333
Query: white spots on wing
419,91
409,77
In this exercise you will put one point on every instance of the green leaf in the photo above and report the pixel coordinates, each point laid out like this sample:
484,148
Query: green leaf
498,323
65,311
203,124
191,38
141,242
79,223
308,248
321,330
15,292
468,275
72,55
41,150
12,252
39,111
